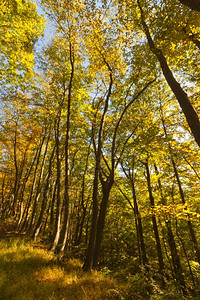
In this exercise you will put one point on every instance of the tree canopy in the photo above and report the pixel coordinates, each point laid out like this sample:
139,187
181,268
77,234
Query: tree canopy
100,133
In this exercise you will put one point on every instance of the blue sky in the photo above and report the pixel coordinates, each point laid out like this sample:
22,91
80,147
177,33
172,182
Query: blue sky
49,30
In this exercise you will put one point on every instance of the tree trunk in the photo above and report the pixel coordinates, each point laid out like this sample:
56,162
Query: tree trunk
191,229
184,102
138,221
139,225
106,188
171,241
175,257
57,230
51,222
63,236
80,224
21,196
90,249
28,205
15,192
44,202
45,223
155,227
193,4
38,190
192,232
186,255
91,246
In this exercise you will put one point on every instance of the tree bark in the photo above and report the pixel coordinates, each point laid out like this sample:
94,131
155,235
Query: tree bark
38,190
63,236
44,201
139,225
191,229
91,246
193,4
106,188
183,100
21,196
171,241
138,221
26,214
175,257
57,230
51,221
155,227
80,223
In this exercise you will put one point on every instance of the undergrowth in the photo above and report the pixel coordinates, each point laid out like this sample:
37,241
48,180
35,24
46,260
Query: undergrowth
28,271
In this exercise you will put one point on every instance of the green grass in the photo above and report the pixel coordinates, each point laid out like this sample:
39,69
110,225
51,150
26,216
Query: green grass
30,272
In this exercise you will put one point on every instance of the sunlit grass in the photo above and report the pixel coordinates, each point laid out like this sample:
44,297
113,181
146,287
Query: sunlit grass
29,272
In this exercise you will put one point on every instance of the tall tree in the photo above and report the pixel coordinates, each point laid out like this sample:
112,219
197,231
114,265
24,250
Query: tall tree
20,28
193,4
184,102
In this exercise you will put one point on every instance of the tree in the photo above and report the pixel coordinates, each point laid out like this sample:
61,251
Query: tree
97,157
193,4
20,28
184,102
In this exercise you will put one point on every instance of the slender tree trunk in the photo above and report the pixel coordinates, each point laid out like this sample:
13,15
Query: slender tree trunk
19,186
138,221
106,188
142,246
155,227
87,224
38,190
80,224
2,204
191,229
18,174
57,230
91,246
90,249
7,192
192,168
175,257
44,202
80,232
171,241
63,236
51,222
45,223
21,196
166,252
28,205
97,233
15,192
186,255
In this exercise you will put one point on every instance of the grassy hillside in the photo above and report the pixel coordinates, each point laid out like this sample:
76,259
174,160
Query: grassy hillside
28,271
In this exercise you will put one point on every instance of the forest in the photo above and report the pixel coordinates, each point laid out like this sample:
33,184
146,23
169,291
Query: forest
100,137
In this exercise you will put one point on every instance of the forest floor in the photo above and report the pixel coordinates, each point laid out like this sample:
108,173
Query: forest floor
28,271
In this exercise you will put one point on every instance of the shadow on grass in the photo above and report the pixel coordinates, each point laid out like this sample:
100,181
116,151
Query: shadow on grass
28,273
